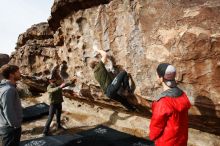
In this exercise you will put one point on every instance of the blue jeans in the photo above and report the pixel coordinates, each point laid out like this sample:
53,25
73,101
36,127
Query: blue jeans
121,80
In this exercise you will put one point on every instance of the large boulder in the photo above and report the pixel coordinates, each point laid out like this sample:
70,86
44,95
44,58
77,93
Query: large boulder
34,47
62,8
4,59
39,34
138,35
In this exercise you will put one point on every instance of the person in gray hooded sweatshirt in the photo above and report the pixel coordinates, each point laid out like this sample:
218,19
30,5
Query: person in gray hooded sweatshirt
10,106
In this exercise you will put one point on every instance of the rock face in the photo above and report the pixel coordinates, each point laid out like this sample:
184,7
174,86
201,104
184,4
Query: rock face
63,8
139,35
4,59
35,50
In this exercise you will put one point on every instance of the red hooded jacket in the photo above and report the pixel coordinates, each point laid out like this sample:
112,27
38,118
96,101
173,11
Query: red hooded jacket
169,122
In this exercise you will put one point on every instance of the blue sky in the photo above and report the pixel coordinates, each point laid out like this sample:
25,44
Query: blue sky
16,16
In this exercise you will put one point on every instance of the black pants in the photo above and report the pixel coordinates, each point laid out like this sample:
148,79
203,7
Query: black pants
54,108
11,137
121,80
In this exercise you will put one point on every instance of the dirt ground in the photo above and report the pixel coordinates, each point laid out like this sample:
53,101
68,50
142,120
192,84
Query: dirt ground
79,116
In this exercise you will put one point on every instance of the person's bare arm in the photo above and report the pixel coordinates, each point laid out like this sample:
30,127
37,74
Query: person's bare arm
103,54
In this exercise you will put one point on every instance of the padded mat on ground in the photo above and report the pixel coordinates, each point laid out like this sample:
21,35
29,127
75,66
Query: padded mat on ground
99,136
35,111
104,136
58,140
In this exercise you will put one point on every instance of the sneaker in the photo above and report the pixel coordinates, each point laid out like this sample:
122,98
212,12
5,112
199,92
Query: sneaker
45,134
60,128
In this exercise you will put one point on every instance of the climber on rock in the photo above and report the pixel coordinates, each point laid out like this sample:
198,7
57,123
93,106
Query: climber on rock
110,85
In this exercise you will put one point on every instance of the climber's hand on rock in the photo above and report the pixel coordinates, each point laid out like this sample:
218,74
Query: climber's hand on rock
62,85
73,80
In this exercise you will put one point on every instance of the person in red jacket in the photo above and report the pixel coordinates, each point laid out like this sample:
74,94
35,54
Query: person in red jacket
169,122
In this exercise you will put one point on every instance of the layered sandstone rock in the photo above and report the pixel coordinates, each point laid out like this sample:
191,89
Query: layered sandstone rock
4,59
35,51
62,8
139,35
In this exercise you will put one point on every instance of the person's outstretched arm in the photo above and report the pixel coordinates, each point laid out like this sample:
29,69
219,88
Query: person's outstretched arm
103,54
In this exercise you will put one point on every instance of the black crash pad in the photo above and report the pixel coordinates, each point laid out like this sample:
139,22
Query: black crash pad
35,111
58,140
105,136
99,136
